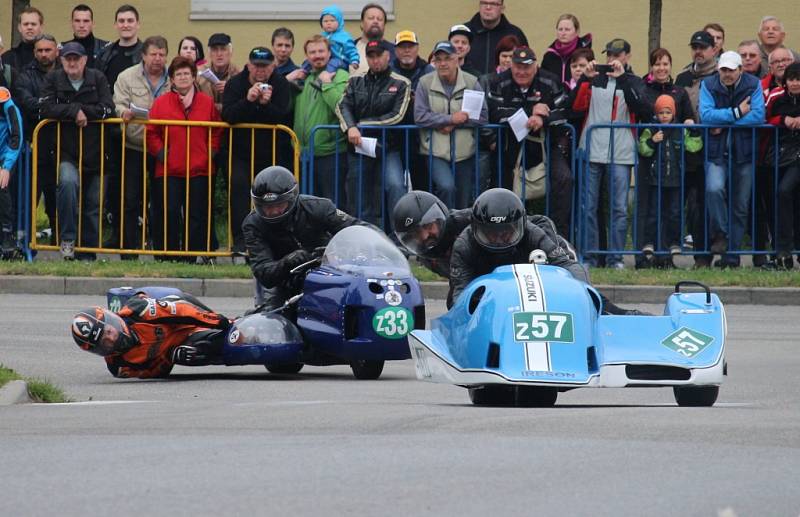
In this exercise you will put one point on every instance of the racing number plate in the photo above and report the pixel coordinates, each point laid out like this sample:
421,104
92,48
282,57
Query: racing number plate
543,326
393,322
687,342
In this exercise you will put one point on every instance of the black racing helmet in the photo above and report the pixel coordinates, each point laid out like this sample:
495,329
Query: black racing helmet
102,332
419,220
275,193
498,219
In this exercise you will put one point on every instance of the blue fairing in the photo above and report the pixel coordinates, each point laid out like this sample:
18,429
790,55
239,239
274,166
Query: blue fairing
262,338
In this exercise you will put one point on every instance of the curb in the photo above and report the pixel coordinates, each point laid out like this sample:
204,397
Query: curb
242,288
14,392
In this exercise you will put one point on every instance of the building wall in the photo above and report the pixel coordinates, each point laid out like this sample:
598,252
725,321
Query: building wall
431,19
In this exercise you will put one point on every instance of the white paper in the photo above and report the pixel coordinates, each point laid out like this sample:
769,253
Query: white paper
367,147
472,103
138,112
209,74
518,122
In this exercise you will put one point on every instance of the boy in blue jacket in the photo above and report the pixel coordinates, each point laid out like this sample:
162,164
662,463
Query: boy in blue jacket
10,146
344,53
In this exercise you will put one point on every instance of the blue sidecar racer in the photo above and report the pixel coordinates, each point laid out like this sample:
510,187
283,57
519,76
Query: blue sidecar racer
522,333
358,305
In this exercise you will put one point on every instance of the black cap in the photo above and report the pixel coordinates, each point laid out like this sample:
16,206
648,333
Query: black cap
376,45
444,46
616,46
702,38
219,39
261,55
72,47
523,56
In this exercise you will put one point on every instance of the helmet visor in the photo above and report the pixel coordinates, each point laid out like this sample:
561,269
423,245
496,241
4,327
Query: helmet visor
102,334
423,236
499,236
272,206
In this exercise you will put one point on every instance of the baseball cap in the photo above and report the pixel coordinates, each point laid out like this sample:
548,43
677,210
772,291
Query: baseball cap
72,48
261,55
702,38
219,38
616,46
523,56
444,46
406,37
376,45
460,29
730,60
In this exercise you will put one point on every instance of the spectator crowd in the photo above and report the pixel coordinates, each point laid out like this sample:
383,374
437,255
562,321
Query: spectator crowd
482,110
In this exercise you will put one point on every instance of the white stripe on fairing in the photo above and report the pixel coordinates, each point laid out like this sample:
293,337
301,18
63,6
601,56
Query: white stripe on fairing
537,353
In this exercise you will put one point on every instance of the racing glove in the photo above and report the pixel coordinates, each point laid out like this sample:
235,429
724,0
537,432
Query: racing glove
296,258
187,355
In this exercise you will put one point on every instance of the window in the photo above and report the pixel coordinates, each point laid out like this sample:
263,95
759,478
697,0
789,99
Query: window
277,9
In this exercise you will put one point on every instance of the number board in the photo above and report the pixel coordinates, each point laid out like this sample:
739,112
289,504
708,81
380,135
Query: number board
543,326
393,322
687,342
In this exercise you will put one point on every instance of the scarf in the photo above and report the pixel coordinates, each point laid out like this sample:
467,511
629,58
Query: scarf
186,100
565,50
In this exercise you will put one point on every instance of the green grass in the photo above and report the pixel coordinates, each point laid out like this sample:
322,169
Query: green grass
743,277
39,390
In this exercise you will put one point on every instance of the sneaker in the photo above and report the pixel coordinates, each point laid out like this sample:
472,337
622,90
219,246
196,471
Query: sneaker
675,250
68,250
688,242
720,245
616,265
648,250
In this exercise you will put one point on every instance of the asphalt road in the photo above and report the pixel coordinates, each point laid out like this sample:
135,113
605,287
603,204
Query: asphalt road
240,441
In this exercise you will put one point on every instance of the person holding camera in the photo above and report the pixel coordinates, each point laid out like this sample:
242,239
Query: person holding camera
606,94
256,95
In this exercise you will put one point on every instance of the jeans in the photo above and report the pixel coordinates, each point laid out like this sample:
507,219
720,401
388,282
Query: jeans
69,202
330,172
364,179
717,203
667,221
618,176
454,194
132,190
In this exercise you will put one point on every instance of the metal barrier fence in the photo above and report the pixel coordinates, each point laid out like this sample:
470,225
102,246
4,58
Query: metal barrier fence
486,168
147,178
763,180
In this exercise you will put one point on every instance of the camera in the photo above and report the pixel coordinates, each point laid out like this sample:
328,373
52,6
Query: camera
264,87
603,69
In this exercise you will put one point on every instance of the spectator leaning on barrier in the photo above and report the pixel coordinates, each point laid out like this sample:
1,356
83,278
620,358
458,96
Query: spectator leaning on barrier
137,87
613,96
28,96
704,64
489,25
447,133
219,70
537,92
660,181
282,46
785,113
316,106
558,56
257,95
730,98
183,161
751,60
11,142
30,25
373,26
379,98
770,37
76,95
83,33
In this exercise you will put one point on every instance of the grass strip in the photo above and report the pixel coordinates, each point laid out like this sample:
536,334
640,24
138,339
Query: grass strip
39,390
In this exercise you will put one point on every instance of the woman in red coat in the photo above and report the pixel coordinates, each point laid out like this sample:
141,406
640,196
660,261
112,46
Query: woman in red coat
169,145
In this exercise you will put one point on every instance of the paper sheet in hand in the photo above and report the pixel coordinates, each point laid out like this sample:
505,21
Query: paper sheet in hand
472,103
208,74
139,112
367,147
518,122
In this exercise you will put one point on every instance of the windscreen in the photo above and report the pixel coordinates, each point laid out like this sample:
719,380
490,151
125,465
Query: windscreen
363,251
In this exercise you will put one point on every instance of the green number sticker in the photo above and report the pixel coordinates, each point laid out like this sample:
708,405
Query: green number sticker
687,342
115,305
543,326
393,322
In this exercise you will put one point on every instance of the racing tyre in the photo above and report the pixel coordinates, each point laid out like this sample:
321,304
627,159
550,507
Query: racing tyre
366,370
286,368
536,396
490,395
695,396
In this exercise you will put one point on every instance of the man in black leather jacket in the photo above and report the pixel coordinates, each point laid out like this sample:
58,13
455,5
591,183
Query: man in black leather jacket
379,98
283,230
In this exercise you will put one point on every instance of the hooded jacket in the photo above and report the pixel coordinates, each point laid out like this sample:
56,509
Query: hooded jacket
342,44
484,41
